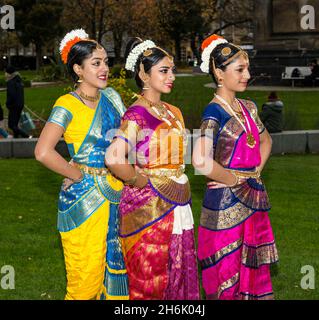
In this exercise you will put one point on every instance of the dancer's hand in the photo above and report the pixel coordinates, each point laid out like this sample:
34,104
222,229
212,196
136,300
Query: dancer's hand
67,183
216,185
142,178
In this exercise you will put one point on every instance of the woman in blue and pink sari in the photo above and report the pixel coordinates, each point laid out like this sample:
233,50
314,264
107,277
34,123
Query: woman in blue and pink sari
156,221
235,240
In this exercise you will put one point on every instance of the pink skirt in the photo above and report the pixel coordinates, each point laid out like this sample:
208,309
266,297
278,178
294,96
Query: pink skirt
236,262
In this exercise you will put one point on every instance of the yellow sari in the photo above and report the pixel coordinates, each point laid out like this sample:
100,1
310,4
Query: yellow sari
88,210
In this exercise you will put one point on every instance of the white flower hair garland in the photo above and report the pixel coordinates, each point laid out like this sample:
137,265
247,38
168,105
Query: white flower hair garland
207,52
69,40
135,53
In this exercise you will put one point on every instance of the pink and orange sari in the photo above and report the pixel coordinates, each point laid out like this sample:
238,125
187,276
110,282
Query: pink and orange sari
236,244
156,222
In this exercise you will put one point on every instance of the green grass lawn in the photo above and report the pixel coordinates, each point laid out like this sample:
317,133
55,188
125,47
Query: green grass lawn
301,108
30,242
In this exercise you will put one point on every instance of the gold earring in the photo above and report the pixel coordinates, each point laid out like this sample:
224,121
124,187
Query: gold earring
145,87
80,80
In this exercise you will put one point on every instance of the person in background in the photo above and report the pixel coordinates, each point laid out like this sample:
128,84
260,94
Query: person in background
272,114
15,101
3,132
311,79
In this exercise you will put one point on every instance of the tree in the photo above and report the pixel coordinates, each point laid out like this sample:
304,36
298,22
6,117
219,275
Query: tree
232,13
87,14
38,22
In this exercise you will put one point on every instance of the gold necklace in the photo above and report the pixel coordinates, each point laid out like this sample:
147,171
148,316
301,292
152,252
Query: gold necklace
250,139
89,98
158,106
163,113
239,113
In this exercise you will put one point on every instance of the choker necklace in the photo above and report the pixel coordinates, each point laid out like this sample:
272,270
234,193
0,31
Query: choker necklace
89,98
251,141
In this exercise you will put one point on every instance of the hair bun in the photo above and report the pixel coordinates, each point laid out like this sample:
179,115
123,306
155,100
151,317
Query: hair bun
210,40
69,40
131,44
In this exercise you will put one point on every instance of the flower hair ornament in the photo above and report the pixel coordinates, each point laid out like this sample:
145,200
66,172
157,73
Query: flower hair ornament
136,52
208,46
69,41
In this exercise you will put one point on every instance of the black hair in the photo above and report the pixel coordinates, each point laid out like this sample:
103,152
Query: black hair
221,59
10,69
79,52
148,62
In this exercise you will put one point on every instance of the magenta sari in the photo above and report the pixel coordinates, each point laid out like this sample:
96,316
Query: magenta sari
235,242
156,222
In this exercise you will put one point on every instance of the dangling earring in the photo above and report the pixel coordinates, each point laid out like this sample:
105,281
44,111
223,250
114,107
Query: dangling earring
220,85
145,86
80,80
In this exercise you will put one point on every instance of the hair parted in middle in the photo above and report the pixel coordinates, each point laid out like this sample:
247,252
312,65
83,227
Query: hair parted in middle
146,60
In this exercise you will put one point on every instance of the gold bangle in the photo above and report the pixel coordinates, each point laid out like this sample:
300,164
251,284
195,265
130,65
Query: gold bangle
79,179
237,178
131,181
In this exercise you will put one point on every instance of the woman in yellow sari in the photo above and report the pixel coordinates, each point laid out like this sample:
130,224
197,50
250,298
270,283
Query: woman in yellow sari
89,197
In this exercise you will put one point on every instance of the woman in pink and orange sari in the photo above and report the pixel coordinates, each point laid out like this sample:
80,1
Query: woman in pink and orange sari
156,221
235,242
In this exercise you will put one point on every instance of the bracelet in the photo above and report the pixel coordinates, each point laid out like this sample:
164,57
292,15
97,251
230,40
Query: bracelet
131,181
79,179
236,182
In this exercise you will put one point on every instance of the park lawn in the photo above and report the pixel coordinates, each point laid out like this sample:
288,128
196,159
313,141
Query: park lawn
30,242
190,94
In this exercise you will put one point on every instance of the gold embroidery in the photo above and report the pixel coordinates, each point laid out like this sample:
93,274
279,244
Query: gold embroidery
171,190
226,141
228,284
144,215
224,219
212,260
254,257
165,172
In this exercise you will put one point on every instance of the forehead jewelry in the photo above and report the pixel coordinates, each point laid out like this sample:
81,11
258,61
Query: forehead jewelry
226,51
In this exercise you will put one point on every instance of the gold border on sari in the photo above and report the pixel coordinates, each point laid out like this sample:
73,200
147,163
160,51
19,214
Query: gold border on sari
254,257
227,140
213,259
224,219
146,214
228,284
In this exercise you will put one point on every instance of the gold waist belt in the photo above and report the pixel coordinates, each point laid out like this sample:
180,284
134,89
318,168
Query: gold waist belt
246,174
165,172
91,170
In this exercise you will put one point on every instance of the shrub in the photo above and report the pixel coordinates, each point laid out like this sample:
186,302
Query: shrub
120,85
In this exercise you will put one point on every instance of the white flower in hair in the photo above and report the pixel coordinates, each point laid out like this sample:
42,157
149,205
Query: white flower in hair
207,52
69,40
136,52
